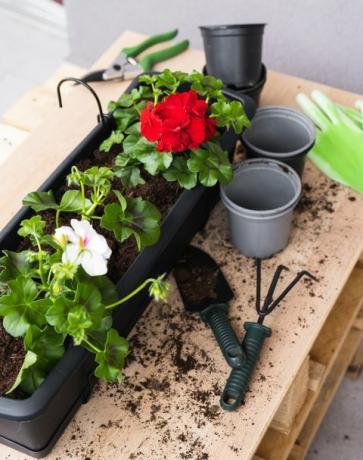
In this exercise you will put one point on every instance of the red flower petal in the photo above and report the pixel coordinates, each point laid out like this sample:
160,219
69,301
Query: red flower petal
210,128
178,123
151,124
196,132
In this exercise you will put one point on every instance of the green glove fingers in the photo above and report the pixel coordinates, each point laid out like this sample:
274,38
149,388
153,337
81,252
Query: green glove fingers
313,111
338,150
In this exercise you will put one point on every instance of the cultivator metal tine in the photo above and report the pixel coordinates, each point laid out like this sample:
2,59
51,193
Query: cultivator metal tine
288,289
258,285
271,290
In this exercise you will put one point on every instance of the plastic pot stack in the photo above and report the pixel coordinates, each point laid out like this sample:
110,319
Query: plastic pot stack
234,54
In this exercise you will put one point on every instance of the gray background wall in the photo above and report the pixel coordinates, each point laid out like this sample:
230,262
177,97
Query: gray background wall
315,39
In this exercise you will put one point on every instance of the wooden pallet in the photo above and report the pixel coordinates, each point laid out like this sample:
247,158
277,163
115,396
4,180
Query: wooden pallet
291,423
329,359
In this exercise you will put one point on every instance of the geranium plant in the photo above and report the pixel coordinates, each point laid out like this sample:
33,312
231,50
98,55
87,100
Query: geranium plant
171,126
57,284
59,289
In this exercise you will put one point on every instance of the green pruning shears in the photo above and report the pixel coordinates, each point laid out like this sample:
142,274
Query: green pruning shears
338,150
126,67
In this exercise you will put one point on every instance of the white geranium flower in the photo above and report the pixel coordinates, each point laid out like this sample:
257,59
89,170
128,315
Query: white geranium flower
84,246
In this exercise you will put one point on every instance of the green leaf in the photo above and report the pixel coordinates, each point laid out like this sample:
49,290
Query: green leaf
134,129
167,81
32,379
128,171
32,227
230,115
140,219
155,162
212,165
130,176
40,201
48,346
97,176
111,360
20,308
46,343
116,137
75,317
124,117
71,201
106,288
78,322
29,360
57,314
89,298
148,79
206,85
139,148
179,172
13,264
135,145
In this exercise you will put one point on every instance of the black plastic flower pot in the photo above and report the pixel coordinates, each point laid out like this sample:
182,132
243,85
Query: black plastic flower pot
254,92
282,134
33,425
234,53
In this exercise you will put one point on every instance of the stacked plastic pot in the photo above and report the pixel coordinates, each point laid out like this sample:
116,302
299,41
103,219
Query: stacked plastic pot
234,54
267,186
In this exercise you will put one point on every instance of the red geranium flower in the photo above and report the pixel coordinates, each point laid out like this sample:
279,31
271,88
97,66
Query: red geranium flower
178,123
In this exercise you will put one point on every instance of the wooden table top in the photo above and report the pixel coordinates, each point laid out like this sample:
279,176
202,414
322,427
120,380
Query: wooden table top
167,407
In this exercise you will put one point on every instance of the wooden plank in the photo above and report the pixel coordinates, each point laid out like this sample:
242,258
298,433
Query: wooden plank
10,139
356,366
166,407
31,109
317,372
326,394
293,401
326,350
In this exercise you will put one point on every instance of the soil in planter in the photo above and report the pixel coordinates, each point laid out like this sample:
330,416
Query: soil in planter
11,359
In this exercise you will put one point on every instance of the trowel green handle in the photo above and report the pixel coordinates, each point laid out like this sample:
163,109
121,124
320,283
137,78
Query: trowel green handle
148,62
216,317
134,51
238,380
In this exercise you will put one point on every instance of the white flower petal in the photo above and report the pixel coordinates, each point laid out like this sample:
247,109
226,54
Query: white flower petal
93,264
98,244
71,254
65,234
81,227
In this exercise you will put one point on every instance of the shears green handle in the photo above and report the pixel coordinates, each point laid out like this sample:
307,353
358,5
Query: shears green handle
239,378
134,51
148,62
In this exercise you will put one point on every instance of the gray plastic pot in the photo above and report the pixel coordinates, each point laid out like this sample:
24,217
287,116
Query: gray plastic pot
282,134
234,52
260,201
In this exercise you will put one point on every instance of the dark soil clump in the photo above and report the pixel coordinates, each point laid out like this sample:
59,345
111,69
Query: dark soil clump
11,359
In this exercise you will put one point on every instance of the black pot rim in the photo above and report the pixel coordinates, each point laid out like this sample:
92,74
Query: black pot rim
248,89
233,29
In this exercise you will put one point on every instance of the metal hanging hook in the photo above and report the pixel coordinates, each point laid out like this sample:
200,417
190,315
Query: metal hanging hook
101,116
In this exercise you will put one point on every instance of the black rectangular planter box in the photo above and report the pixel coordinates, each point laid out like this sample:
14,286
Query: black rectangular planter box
33,425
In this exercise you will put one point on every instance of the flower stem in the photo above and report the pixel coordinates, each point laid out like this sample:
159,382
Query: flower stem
40,260
92,346
132,294
57,223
